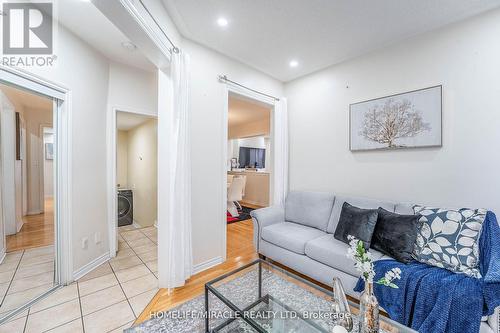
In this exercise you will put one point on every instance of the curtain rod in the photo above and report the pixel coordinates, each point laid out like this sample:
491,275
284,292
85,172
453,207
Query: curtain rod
174,48
223,78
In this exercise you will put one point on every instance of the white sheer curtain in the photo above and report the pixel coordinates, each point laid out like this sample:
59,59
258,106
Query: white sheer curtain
280,160
174,206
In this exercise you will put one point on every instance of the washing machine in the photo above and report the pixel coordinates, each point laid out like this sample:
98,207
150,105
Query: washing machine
125,207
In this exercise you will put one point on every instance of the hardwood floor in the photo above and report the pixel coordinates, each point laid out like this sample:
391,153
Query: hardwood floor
240,251
37,230
250,205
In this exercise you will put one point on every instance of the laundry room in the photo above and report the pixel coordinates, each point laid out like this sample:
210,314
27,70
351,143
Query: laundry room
136,169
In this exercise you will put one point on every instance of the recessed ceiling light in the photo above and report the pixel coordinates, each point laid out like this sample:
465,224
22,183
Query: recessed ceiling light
294,63
129,46
222,22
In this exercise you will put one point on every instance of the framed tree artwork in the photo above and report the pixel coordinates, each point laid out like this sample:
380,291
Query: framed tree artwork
408,120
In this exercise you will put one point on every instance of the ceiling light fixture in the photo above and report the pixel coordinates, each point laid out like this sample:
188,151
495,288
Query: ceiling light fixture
294,63
222,22
129,46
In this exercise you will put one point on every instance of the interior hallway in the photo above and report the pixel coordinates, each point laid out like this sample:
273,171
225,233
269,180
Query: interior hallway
108,299
37,230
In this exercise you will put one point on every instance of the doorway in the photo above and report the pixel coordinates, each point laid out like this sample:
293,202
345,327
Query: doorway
249,167
30,116
28,268
135,184
35,259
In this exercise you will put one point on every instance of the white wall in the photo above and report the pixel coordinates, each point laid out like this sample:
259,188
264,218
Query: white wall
132,89
20,169
7,166
142,171
34,119
206,107
85,72
464,58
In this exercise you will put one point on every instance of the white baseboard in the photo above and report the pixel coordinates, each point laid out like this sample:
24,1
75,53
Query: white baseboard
34,212
207,264
90,266
19,225
4,253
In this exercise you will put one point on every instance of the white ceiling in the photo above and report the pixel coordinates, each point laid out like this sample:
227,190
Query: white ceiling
242,111
27,99
125,121
84,20
268,34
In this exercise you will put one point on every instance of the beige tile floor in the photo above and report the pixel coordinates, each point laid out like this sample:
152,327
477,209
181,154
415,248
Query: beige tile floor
24,275
108,299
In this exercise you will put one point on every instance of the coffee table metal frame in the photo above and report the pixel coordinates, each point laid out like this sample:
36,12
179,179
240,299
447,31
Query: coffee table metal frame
209,287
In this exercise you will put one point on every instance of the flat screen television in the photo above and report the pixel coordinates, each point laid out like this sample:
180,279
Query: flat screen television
252,157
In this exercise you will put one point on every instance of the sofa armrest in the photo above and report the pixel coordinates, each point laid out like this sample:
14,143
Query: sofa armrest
494,320
263,217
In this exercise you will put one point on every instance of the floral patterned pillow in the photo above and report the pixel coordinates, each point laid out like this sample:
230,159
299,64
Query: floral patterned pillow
449,238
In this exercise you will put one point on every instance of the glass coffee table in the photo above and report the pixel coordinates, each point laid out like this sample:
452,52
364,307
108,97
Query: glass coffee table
262,297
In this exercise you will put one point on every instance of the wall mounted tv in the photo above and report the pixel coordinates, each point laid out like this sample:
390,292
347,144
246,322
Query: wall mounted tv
252,157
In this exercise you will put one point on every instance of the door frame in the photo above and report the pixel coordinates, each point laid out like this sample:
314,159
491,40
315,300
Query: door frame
62,168
230,89
111,151
42,167
8,186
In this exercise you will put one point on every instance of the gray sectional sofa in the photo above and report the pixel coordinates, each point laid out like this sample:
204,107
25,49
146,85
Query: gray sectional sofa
300,236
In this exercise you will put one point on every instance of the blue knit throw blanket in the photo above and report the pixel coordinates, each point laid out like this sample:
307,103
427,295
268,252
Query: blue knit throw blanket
435,300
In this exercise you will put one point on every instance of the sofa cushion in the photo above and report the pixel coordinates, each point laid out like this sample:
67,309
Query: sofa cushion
312,209
357,222
395,234
290,236
449,238
329,251
355,201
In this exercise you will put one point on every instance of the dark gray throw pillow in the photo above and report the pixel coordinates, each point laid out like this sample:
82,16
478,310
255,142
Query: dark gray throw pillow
357,222
395,234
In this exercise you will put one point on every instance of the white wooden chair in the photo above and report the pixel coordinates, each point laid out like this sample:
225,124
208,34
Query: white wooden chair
235,194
